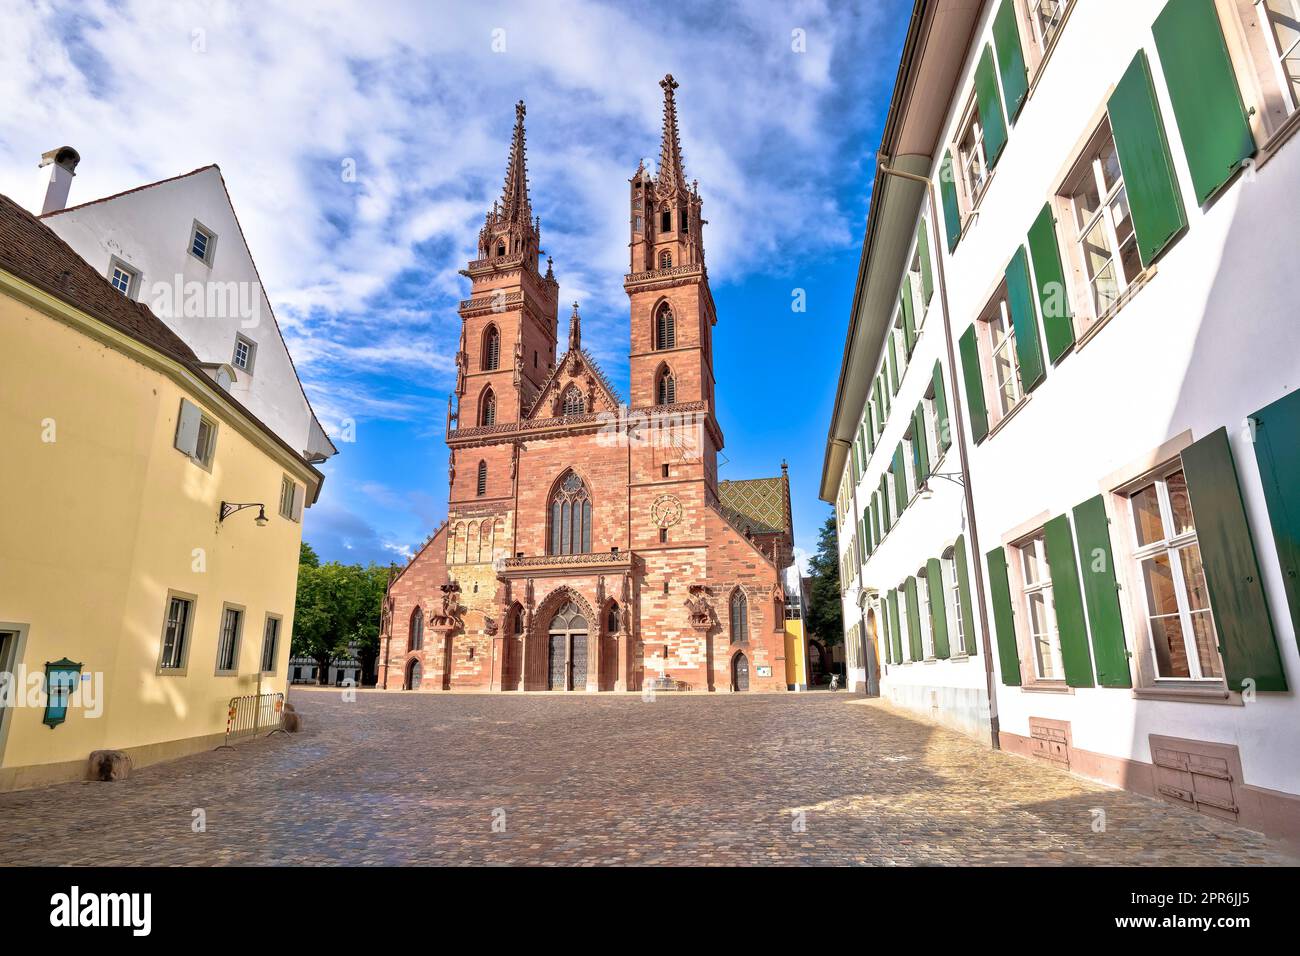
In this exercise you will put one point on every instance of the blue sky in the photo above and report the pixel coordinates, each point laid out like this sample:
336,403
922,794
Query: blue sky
781,106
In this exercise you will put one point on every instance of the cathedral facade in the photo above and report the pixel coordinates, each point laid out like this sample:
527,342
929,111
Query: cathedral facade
589,545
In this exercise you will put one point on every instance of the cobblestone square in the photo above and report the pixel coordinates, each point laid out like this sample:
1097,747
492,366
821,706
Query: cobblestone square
421,778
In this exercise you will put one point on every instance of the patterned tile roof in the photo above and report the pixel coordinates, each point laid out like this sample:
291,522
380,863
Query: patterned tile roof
755,503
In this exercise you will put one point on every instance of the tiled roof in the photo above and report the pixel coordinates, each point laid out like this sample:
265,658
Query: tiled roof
756,504
35,254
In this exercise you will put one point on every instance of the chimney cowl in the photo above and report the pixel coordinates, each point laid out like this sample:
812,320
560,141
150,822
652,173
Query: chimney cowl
64,156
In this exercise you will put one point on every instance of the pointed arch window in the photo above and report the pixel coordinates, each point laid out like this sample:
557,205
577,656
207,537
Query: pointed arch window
665,328
570,517
611,620
665,260
417,630
491,349
739,617
572,403
488,412
665,221
666,388
480,487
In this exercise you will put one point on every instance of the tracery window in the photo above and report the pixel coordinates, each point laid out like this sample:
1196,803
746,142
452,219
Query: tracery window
570,517
491,349
665,328
666,388
739,617
572,403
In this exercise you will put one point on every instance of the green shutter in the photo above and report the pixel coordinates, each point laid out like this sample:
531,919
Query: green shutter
923,253
921,445
1156,206
893,364
909,318
1203,88
900,480
1277,449
1245,629
963,593
856,458
1020,302
990,107
915,650
869,429
1067,598
976,410
938,610
942,427
1011,59
1101,593
1003,621
1053,293
884,502
895,632
948,194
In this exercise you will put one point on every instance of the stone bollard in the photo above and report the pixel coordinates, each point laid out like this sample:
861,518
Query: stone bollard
109,765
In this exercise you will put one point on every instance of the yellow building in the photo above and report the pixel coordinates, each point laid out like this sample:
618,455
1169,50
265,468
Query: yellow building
119,451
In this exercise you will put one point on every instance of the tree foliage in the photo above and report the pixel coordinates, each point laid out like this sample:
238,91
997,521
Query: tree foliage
337,611
825,615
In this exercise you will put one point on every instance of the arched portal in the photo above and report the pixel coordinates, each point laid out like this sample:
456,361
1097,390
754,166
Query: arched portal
740,673
413,672
567,649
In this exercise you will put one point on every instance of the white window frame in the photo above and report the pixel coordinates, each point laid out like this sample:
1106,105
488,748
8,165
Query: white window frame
1031,552
1171,547
972,126
952,604
179,661
1267,20
1091,168
209,243
117,267
251,348
204,449
1042,37
997,334
924,611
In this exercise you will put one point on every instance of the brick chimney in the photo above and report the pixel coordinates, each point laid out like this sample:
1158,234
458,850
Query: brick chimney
63,166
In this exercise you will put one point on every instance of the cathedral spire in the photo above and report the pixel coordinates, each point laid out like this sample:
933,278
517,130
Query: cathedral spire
671,176
575,330
514,196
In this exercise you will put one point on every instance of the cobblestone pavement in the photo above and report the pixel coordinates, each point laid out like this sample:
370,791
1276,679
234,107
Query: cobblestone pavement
420,778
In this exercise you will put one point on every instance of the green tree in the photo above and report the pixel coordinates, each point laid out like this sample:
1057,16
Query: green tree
825,614
337,612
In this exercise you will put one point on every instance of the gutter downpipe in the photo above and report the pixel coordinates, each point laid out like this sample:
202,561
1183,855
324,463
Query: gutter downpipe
956,402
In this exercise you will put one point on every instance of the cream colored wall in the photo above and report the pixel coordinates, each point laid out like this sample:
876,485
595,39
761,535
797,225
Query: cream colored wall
103,521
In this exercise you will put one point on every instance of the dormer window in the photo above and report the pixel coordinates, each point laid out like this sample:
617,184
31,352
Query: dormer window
123,278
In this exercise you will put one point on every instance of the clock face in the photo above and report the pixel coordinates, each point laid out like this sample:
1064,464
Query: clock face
666,511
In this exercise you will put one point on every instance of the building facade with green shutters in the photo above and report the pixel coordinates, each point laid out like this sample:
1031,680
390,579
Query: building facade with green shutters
1112,216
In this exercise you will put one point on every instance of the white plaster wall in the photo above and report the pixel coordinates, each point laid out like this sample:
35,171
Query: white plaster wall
150,231
1212,338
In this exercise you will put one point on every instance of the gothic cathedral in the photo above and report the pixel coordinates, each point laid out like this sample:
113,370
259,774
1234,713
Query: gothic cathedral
589,545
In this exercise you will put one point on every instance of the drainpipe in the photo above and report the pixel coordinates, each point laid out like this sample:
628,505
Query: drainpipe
955,401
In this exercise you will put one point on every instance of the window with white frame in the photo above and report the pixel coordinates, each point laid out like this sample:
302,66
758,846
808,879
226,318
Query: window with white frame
900,346
1283,19
914,287
1045,18
973,166
1106,246
998,348
1175,599
902,623
202,243
1040,610
952,603
123,278
923,604
245,353
196,434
